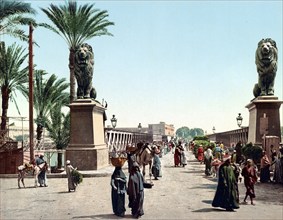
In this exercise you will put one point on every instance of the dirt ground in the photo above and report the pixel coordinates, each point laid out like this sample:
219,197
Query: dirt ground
181,193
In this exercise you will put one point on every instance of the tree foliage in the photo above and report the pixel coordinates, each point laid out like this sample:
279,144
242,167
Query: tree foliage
202,141
253,152
188,134
46,94
14,14
76,24
58,127
13,77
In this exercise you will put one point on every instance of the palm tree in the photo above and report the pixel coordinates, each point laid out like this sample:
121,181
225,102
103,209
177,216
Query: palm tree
59,129
12,15
76,24
12,77
47,93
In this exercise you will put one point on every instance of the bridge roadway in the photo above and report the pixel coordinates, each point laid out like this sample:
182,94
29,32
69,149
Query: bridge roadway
182,193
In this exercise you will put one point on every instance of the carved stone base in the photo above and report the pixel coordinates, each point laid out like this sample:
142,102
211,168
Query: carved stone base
88,158
87,149
264,118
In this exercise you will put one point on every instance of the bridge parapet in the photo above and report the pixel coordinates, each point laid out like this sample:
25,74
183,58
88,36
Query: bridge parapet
118,140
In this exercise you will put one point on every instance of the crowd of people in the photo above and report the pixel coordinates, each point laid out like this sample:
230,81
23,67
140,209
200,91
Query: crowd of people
230,167
226,164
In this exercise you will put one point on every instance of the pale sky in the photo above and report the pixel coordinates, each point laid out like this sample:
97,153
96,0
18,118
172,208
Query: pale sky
186,63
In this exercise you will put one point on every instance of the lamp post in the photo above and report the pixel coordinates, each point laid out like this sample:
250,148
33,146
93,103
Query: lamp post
139,127
114,121
239,120
213,130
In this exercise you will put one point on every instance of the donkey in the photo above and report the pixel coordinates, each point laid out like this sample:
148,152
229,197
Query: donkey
33,169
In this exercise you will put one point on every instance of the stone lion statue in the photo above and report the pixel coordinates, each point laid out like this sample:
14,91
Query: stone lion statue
84,62
266,63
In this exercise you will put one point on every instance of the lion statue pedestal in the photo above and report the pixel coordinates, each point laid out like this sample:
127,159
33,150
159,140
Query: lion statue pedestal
87,148
264,118
264,109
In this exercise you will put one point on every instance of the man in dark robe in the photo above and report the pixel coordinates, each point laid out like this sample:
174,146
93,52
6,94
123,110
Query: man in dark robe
42,175
227,194
118,192
177,154
238,150
136,191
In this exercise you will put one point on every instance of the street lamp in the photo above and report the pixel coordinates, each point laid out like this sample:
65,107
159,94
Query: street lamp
239,120
213,129
139,127
114,121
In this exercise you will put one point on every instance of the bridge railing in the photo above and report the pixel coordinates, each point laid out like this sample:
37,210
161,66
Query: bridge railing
118,140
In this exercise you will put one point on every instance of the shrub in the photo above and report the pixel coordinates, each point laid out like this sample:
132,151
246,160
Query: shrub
204,142
252,152
77,177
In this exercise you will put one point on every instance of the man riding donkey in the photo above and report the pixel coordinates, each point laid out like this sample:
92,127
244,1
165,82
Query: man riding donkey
37,167
41,163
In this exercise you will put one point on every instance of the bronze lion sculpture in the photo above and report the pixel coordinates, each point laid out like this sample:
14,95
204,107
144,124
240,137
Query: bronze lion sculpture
84,62
266,63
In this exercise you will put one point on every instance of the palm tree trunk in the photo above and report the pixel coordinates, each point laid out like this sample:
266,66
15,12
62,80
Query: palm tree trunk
59,159
5,102
72,75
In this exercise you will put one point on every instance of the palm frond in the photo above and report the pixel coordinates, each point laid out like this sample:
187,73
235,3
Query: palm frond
12,14
13,76
9,8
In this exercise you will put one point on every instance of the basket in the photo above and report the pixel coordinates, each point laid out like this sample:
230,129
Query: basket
147,185
118,161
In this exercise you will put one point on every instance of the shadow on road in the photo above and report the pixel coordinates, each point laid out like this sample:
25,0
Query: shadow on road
193,161
207,201
204,186
193,171
211,179
106,216
17,188
63,192
210,210
269,193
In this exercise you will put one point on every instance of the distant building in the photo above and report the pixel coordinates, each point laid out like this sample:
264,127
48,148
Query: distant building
160,132
161,129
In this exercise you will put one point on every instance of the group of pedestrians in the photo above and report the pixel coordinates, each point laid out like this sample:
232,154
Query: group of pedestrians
180,158
227,193
275,165
134,189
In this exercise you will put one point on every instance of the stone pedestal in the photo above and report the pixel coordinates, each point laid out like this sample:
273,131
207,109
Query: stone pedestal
87,149
264,118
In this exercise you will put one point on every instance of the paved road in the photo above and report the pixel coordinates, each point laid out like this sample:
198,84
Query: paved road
182,193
